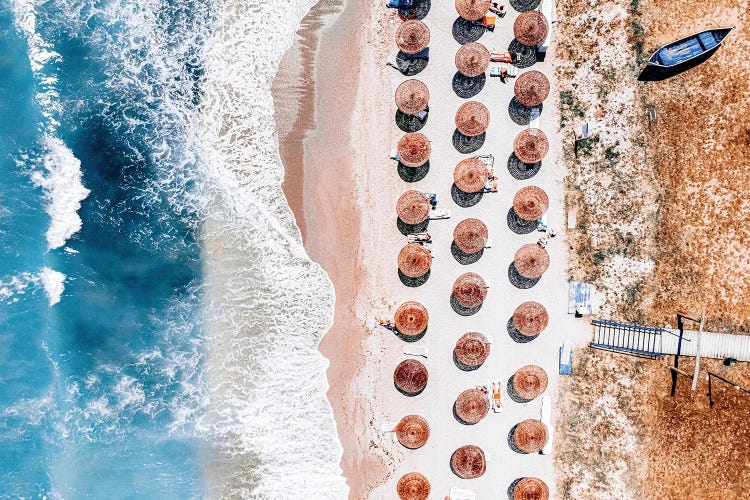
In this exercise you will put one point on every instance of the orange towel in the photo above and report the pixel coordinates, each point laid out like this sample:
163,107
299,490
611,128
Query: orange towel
489,20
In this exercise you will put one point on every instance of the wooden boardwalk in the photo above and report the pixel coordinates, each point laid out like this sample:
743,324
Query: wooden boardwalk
713,345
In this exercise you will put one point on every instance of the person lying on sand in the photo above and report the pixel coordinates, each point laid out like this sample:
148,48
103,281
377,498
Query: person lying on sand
419,238
504,75
504,56
388,324
490,187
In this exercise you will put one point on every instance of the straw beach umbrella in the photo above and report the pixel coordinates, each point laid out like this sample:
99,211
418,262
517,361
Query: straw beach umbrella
413,486
472,350
414,260
413,431
468,462
472,405
470,175
470,290
414,149
472,10
530,203
531,261
472,118
412,96
410,377
531,88
530,381
412,36
531,145
530,28
530,488
411,318
472,59
530,318
413,207
470,235
530,436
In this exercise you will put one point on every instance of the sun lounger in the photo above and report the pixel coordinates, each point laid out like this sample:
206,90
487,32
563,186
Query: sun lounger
488,160
460,494
422,115
548,9
488,243
490,338
534,115
416,350
497,70
546,419
440,213
566,358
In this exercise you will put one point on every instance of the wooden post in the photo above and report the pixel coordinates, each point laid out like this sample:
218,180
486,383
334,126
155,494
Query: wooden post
698,351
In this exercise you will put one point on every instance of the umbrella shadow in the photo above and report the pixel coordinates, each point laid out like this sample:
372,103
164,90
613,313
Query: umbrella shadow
413,174
409,338
519,281
515,335
409,394
421,8
519,225
462,366
465,200
522,171
512,488
465,31
465,258
466,144
409,123
520,113
407,229
468,86
463,311
527,55
455,413
408,66
524,5
511,390
413,282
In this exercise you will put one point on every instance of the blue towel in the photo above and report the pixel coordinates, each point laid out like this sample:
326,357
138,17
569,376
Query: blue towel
424,54
399,4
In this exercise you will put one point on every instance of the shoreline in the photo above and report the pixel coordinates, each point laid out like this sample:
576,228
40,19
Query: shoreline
319,158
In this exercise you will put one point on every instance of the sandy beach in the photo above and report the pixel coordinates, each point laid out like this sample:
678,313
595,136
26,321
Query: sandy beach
344,190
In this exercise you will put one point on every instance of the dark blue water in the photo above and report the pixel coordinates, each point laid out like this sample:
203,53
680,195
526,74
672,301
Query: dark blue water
101,391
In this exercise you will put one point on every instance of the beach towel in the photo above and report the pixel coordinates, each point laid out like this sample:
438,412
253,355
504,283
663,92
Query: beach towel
423,54
399,4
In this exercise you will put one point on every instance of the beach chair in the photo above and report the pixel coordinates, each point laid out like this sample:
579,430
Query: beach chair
487,22
461,494
548,9
490,338
535,113
422,115
440,213
546,418
566,358
416,350
497,70
488,243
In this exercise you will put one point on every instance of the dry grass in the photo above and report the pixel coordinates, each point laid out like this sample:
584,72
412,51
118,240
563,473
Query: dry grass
661,212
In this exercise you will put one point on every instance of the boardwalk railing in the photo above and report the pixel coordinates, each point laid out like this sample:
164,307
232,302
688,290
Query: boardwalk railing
636,340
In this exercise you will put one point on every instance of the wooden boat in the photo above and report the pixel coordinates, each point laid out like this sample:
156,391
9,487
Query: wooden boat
690,50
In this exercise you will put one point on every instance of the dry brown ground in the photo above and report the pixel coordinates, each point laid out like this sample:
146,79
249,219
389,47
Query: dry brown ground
661,211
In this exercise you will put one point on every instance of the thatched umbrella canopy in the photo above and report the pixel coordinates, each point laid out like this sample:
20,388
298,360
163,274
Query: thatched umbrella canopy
413,486
413,207
410,376
530,318
530,488
413,431
472,405
531,261
470,290
472,349
468,462
531,88
412,96
472,118
530,203
472,59
530,381
531,145
411,318
530,436
414,149
414,260
530,28
472,10
412,36
470,235
470,175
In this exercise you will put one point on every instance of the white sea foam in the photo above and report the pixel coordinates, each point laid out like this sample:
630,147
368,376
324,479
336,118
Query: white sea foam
54,284
58,172
62,183
12,288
